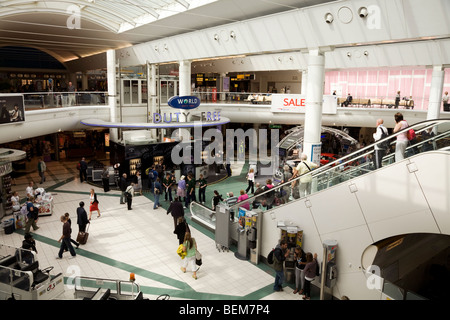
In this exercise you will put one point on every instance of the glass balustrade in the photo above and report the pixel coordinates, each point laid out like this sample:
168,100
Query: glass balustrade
45,100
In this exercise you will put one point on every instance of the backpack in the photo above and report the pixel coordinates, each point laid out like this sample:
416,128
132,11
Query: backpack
270,257
384,145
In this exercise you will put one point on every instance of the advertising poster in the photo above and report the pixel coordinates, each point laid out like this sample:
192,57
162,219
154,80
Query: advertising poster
226,84
11,108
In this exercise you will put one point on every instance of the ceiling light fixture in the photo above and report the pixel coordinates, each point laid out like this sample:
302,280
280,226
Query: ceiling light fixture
363,12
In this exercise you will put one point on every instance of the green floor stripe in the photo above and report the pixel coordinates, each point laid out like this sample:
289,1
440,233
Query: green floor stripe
114,263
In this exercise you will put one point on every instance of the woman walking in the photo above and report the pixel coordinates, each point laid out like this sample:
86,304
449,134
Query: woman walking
300,263
93,204
190,247
181,189
251,180
402,138
310,274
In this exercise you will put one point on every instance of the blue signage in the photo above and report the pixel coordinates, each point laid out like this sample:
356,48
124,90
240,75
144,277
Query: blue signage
185,102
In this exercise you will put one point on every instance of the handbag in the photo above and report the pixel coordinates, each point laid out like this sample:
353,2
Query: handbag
411,134
198,258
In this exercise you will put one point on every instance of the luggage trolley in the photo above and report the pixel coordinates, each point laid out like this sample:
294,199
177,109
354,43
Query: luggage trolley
21,278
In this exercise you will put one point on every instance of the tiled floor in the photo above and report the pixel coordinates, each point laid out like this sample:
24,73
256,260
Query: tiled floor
139,241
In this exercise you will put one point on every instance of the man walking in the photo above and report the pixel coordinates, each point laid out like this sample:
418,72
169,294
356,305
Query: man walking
123,187
280,254
303,168
41,169
32,216
445,102
83,169
65,238
71,89
129,193
176,209
380,148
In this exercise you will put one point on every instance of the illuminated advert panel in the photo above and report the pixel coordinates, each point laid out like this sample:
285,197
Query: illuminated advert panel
11,108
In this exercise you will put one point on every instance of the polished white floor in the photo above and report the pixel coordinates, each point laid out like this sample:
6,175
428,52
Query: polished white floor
139,241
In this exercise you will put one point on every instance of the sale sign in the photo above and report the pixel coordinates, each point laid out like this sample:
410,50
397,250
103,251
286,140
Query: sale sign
296,103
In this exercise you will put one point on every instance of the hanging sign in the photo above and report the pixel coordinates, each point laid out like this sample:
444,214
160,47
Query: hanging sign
185,102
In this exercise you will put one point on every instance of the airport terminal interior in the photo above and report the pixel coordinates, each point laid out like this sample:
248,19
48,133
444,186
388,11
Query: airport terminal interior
318,126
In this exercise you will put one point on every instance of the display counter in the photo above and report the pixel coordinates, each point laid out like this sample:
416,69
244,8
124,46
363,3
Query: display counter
44,204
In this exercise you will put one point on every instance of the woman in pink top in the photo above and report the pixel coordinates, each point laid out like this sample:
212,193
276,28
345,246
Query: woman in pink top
243,197
402,139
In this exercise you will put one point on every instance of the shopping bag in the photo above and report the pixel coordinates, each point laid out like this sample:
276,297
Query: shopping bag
180,252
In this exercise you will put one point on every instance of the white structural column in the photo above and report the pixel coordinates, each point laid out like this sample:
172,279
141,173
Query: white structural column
112,91
152,91
185,82
437,86
221,87
314,101
304,81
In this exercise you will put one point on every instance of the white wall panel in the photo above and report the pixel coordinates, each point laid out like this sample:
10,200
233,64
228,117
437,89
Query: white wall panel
340,212
354,286
351,244
418,221
390,184
434,178
350,251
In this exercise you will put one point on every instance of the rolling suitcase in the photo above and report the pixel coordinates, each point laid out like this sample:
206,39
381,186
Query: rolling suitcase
83,236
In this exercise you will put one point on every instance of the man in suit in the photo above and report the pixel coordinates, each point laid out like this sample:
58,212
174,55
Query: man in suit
82,220
123,187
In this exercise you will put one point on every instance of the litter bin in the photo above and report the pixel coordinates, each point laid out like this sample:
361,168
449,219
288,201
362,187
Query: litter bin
8,225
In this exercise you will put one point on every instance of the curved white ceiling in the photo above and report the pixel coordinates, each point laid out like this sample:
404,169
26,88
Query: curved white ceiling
117,15
73,29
